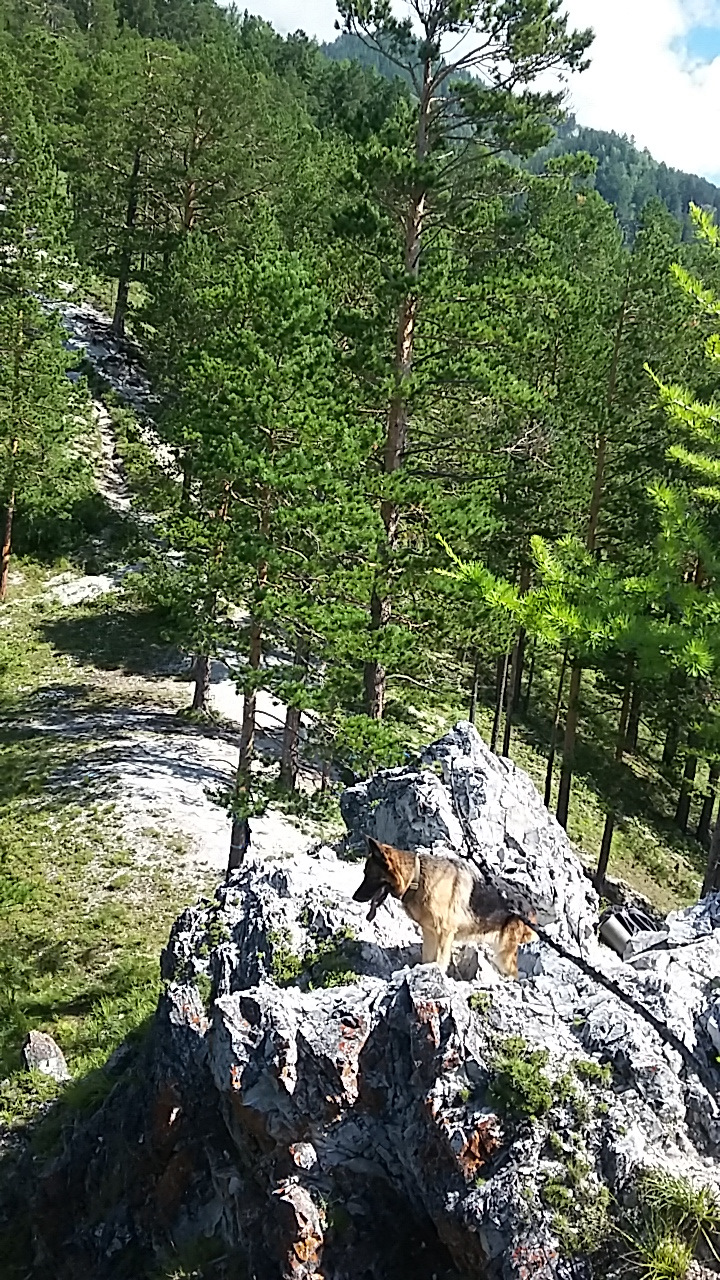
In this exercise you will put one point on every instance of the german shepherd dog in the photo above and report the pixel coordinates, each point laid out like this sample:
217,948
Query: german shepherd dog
449,902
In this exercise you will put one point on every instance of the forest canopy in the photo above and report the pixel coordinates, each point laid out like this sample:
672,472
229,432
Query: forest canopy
434,366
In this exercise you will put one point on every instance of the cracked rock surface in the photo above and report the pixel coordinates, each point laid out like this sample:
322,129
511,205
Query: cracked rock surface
312,1102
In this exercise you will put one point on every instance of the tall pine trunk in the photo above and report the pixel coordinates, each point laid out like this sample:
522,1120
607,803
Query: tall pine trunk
7,545
711,882
290,754
511,685
702,833
634,715
6,551
515,675
529,681
553,732
201,676
502,671
241,792
568,751
571,722
610,817
671,744
682,812
186,491
126,255
472,710
396,438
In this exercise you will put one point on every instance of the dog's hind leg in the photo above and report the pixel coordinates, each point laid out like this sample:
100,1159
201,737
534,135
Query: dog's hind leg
506,953
444,951
429,946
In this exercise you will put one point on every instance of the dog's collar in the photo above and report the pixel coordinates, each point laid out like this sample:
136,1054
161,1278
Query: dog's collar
415,882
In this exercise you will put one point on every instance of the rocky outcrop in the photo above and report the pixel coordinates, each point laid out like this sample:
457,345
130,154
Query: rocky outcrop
312,1102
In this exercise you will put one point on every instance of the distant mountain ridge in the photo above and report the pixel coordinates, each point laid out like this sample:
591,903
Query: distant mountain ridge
626,176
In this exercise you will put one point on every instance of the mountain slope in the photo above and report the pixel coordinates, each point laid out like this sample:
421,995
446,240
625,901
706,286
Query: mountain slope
626,176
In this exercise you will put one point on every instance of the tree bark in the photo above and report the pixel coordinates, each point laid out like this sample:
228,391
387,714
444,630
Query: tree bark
502,672
515,677
610,817
702,833
682,812
186,480
529,682
511,692
672,741
239,844
396,439
568,757
289,758
711,883
201,675
6,551
472,710
241,789
563,804
553,732
7,545
634,715
125,267
375,675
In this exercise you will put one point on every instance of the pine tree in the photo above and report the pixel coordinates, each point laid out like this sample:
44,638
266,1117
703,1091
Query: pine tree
36,427
272,519
696,450
433,155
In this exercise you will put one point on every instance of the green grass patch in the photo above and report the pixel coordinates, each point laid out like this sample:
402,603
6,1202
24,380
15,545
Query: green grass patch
325,963
81,924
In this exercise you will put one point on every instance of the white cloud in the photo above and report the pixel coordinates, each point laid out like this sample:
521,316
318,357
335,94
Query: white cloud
640,81
314,17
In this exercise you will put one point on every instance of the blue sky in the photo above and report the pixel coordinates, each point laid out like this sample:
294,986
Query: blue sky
655,71
703,42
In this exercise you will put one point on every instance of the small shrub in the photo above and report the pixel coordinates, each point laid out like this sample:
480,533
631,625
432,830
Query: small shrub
556,1195
555,1145
480,1001
591,1071
285,965
204,989
663,1232
521,1085
326,964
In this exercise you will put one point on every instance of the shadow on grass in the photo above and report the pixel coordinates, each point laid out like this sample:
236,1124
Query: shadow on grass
116,637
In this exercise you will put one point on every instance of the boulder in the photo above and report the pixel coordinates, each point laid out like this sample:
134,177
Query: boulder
461,782
41,1053
312,1102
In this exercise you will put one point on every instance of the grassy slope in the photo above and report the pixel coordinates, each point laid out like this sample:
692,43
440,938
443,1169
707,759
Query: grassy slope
81,922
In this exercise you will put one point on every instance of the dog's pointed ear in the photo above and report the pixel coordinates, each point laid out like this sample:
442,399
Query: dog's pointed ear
374,849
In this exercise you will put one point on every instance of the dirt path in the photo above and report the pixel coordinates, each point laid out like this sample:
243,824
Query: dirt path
169,780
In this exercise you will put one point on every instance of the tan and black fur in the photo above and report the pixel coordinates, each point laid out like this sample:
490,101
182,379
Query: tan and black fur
449,902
